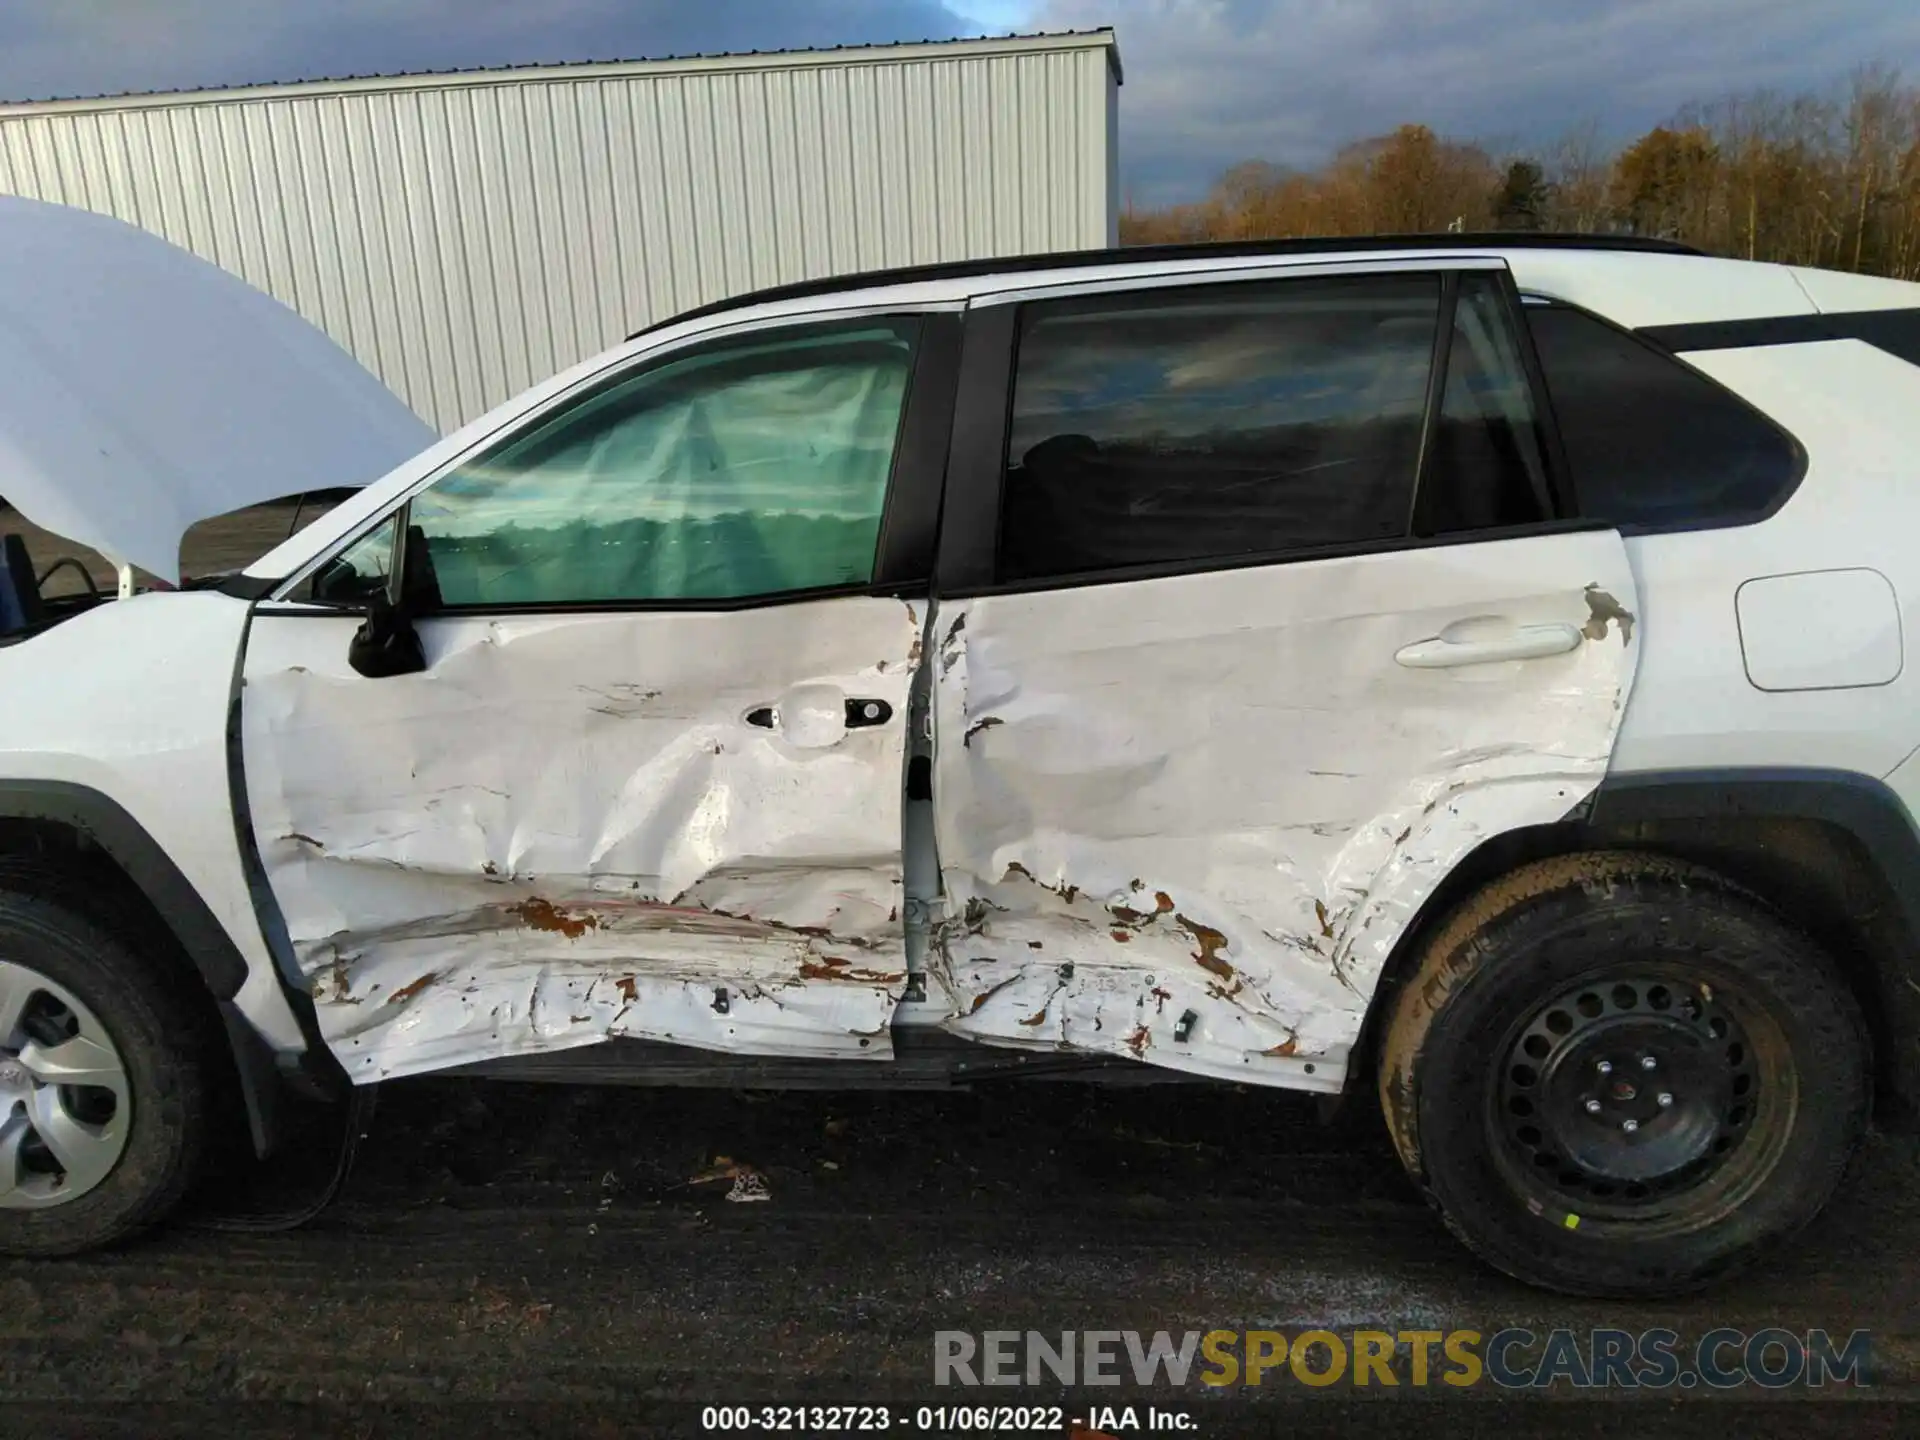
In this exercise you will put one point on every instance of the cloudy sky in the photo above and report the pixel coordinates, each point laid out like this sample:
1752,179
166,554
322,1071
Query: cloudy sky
1208,82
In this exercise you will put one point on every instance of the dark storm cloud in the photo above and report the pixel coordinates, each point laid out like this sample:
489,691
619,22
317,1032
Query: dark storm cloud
76,47
1211,82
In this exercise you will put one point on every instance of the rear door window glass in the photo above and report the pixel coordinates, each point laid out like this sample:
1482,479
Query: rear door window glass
1214,422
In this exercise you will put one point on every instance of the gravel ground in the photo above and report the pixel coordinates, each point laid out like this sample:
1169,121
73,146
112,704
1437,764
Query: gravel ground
552,1248
530,1259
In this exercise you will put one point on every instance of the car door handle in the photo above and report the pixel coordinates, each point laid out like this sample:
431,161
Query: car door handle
1528,642
861,714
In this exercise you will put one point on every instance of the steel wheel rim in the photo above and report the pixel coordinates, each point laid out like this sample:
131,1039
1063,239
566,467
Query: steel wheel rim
66,1106
1648,1098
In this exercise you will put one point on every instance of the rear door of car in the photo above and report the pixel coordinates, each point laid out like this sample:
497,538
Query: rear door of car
1258,613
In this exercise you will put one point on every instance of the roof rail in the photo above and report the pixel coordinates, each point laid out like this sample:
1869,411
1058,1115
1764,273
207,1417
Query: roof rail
1197,250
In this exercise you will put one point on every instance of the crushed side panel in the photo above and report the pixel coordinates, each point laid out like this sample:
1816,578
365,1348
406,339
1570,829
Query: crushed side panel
1185,820
565,830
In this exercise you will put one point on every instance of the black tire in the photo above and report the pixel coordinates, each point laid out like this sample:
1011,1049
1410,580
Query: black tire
161,1034
1743,1064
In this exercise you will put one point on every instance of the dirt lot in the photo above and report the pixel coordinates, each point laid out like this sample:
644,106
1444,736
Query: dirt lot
529,1260
543,1245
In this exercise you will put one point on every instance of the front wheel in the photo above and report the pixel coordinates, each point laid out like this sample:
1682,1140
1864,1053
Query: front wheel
1619,1075
104,1091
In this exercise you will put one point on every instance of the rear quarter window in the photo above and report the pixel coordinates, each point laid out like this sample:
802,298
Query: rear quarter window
1652,443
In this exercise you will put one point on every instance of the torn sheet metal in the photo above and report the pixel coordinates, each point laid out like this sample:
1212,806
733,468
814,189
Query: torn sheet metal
567,829
1185,820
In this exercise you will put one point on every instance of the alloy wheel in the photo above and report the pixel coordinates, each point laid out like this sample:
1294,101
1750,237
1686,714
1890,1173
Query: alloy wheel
65,1103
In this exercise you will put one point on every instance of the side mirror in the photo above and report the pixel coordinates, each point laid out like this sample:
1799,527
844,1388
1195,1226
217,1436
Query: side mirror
386,643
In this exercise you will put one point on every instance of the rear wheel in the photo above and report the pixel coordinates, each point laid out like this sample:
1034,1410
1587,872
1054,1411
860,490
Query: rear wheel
1619,1075
104,1096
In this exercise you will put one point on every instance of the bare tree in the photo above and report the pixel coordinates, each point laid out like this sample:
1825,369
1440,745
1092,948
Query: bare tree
1819,178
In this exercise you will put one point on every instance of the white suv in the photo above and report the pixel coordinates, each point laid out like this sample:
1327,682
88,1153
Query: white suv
1467,666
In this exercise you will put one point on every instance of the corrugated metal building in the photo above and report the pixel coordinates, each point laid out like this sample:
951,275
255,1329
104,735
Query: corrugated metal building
466,234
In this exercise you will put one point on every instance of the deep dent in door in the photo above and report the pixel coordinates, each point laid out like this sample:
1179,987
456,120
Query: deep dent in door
563,831
1244,946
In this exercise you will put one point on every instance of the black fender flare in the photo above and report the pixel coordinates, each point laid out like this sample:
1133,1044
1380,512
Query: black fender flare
1688,814
107,825
1860,806
104,823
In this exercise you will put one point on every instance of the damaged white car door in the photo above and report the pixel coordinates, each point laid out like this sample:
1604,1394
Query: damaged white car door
644,778
1280,613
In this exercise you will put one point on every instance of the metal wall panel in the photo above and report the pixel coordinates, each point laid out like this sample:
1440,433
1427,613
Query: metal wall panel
465,235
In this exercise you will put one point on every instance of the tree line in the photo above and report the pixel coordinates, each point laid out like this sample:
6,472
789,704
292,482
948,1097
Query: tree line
1822,179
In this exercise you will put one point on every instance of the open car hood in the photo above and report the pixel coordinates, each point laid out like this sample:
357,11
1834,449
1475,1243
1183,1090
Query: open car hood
143,389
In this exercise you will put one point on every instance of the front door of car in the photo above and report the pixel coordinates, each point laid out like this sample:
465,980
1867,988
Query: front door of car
1265,612
637,768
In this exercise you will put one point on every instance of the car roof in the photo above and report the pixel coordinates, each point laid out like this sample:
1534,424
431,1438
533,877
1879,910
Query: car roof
1158,254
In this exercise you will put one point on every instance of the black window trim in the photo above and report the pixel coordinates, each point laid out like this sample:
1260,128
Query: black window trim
1802,329
1446,316
1563,490
976,466
976,459
1649,338
1557,501
909,520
